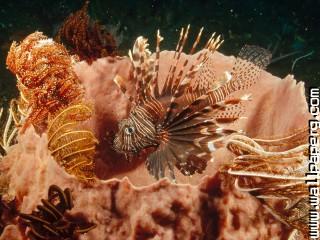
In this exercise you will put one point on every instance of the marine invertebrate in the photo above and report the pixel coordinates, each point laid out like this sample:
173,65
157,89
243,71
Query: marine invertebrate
70,143
275,175
50,220
299,58
86,38
46,80
8,129
182,122
8,212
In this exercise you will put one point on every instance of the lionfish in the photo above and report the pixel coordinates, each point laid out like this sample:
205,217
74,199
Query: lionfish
181,121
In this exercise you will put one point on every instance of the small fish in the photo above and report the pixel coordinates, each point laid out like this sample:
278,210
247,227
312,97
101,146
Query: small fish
182,121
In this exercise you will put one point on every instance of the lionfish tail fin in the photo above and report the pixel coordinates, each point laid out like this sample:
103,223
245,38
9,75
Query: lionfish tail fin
245,73
247,68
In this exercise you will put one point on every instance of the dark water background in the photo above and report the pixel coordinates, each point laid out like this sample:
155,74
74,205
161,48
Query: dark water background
282,26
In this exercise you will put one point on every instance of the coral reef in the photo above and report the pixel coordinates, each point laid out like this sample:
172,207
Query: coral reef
50,96
204,206
86,38
46,79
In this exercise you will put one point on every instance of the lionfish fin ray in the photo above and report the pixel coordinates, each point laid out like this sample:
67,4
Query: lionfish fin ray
154,83
158,161
189,160
168,88
143,67
119,81
246,71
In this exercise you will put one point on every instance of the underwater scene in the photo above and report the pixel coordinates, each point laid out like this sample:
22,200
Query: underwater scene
151,120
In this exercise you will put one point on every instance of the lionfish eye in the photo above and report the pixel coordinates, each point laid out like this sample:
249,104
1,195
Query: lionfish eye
129,130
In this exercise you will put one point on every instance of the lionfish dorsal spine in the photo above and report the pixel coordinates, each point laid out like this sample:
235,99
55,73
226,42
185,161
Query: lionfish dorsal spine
142,66
168,86
154,84
182,85
196,42
180,89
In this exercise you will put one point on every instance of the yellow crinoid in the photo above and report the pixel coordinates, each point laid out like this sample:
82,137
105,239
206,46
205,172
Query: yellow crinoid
71,143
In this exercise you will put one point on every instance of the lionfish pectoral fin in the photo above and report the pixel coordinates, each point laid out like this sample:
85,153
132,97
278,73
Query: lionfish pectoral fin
193,164
158,161
189,159
129,157
155,164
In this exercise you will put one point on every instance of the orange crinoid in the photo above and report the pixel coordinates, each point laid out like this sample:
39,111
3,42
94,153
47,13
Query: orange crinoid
85,37
45,77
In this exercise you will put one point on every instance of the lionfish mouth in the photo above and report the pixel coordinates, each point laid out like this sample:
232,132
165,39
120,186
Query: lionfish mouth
116,149
129,155
115,146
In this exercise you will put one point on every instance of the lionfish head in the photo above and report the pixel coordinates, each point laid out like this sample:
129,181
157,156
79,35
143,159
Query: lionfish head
124,139
134,134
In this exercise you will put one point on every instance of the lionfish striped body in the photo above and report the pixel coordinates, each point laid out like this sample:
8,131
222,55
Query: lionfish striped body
183,120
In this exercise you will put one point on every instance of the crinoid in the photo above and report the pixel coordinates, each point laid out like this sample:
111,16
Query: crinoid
46,79
70,143
50,221
183,122
275,176
86,38
8,212
9,126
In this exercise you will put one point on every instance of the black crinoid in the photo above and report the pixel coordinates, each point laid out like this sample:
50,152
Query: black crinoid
8,213
51,222
182,121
